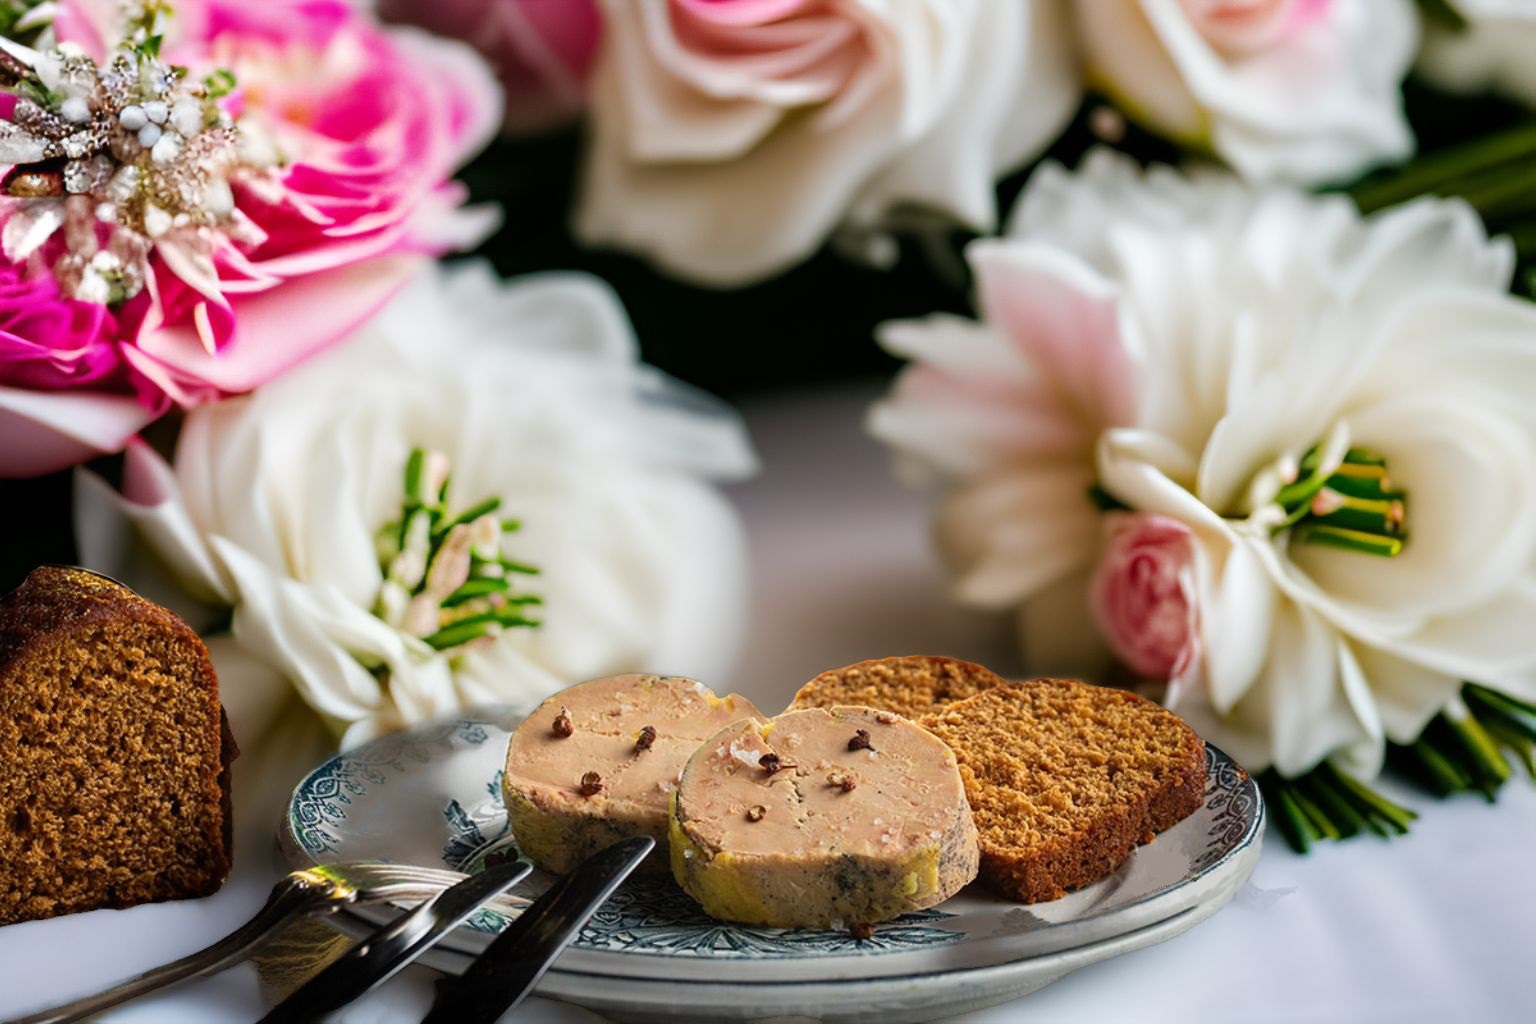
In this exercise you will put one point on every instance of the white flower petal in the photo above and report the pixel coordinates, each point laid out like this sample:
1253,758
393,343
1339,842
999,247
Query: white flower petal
1057,634
1296,712
974,404
1012,51
46,431
1489,644
1008,535
293,628
1064,316
1236,623
1406,695
1143,470
151,513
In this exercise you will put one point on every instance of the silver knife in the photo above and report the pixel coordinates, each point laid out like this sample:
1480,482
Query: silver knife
514,962
378,957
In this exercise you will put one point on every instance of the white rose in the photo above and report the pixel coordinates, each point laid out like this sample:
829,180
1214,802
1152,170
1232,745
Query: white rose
1496,50
1297,90
533,393
730,137
1183,342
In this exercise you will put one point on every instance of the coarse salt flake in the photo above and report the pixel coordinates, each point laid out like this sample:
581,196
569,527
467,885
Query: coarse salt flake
753,758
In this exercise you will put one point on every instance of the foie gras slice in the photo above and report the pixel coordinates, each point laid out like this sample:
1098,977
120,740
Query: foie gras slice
822,818
599,762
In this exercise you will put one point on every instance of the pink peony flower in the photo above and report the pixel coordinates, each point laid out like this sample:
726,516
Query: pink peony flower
542,50
1143,595
359,128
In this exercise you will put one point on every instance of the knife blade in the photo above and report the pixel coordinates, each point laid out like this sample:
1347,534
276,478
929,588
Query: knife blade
517,958
378,957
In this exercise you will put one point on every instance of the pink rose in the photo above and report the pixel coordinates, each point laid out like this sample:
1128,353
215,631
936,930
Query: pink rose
1143,595
360,129
542,50
731,138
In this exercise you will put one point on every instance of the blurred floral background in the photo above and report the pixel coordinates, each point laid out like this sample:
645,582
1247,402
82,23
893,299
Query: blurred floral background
1146,396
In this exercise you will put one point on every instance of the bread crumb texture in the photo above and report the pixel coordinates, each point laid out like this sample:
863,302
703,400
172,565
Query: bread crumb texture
112,751
911,686
1065,779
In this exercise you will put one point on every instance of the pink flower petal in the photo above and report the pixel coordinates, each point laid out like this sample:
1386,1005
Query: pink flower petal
48,431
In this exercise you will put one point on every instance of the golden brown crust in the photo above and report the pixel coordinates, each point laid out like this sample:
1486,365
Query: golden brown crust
113,751
1066,779
910,685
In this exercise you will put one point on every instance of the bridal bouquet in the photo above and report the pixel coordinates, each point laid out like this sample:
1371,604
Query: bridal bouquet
200,199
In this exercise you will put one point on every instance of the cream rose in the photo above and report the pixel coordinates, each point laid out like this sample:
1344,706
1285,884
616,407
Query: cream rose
730,137
1495,50
1299,90
277,505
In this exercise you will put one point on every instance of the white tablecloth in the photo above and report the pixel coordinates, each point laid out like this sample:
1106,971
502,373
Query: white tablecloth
1434,927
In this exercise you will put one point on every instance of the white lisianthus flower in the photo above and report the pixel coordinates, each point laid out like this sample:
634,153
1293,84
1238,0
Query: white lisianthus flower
1197,350
1495,50
730,138
1296,90
529,392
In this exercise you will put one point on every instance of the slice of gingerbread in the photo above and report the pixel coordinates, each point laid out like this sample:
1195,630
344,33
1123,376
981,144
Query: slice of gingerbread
911,685
1066,779
113,751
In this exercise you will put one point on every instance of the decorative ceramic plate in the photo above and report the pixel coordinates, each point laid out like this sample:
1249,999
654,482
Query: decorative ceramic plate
432,796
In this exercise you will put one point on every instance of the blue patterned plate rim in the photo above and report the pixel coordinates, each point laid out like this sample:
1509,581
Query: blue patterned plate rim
443,809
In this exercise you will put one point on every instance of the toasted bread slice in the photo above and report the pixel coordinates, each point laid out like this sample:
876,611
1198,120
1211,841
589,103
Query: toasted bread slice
1065,779
911,686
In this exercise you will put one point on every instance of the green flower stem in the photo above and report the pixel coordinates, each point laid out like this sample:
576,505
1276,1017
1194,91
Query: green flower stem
1444,776
1462,749
1369,515
1487,761
1498,697
1491,714
1288,815
459,633
1348,540
1376,807
450,566
469,515
415,464
1521,745
1302,491
1440,172
479,587
1315,816
1503,194
1340,811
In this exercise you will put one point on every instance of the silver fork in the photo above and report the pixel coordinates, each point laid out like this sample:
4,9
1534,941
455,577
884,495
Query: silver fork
313,892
